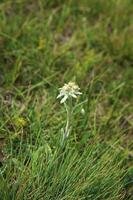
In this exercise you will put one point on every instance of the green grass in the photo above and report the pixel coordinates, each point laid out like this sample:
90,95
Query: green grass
45,44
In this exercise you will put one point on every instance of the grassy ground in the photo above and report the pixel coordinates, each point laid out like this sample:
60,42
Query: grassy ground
45,44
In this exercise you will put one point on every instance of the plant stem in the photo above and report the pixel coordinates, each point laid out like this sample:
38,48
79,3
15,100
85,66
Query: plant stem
69,116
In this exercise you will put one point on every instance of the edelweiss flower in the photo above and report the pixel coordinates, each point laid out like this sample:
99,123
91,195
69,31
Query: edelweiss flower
69,90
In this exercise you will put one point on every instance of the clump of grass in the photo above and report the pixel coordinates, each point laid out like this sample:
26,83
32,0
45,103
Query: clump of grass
93,172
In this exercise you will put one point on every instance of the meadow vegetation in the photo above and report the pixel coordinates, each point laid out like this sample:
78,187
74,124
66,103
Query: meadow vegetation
44,44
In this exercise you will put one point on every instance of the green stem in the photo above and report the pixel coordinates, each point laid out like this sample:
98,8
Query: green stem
69,116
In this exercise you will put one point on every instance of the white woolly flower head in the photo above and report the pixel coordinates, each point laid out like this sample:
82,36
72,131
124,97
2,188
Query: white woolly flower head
69,90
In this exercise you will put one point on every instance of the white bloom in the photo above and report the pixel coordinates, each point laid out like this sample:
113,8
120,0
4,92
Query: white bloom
69,90
82,111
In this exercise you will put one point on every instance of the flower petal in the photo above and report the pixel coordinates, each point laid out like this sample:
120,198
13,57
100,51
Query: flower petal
74,96
79,93
64,99
60,95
